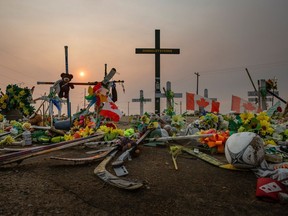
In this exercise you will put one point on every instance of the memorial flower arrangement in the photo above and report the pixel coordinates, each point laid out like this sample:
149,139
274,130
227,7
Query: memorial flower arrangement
17,98
260,124
110,133
178,121
207,121
257,123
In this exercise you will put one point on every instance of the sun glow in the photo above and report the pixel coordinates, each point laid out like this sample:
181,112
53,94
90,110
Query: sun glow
82,73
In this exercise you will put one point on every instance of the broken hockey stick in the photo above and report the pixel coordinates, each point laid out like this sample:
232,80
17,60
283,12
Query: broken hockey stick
194,136
113,180
125,155
101,154
118,166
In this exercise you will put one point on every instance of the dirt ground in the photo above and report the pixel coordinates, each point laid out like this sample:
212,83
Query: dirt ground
42,186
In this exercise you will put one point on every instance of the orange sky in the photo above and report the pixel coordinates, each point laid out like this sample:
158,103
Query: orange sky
217,38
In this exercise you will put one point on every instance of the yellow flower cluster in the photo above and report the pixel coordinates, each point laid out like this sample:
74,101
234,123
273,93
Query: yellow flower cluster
110,133
3,101
260,123
17,98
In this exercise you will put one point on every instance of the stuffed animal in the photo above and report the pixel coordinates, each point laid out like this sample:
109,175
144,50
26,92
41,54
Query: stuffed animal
36,119
63,86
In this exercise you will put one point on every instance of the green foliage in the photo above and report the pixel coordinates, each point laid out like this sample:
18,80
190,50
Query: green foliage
17,98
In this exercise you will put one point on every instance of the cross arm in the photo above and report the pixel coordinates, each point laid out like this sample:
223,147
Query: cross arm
78,83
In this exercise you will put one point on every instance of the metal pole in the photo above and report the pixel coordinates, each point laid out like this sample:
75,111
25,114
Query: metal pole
274,81
258,92
197,74
141,102
105,73
67,71
251,79
84,98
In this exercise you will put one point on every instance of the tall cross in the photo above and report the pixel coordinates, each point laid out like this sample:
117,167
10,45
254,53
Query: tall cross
141,100
157,51
169,102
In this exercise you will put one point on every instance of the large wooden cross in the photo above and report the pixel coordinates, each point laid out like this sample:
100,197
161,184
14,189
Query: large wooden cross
141,100
157,51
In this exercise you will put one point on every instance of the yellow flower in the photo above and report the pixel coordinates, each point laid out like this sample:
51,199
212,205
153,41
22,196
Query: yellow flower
21,104
104,129
215,118
246,117
10,90
177,118
68,137
21,93
7,140
270,130
153,125
265,127
119,131
145,119
5,97
13,122
1,117
25,111
241,129
270,142
262,116
4,106
86,131
26,126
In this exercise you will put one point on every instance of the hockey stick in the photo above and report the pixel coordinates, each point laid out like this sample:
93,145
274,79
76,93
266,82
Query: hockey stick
113,180
118,166
96,157
21,155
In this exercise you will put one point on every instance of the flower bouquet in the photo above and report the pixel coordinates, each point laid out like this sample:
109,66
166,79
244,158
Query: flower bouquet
16,99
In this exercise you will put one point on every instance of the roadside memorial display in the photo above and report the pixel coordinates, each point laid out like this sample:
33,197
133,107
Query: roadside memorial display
249,140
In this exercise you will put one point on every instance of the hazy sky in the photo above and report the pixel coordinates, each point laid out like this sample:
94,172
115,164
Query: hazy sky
217,38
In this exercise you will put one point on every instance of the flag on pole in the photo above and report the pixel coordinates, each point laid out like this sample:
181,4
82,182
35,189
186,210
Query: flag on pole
110,110
194,101
239,105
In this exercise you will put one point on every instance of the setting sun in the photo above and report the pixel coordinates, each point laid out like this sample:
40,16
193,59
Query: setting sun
82,74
